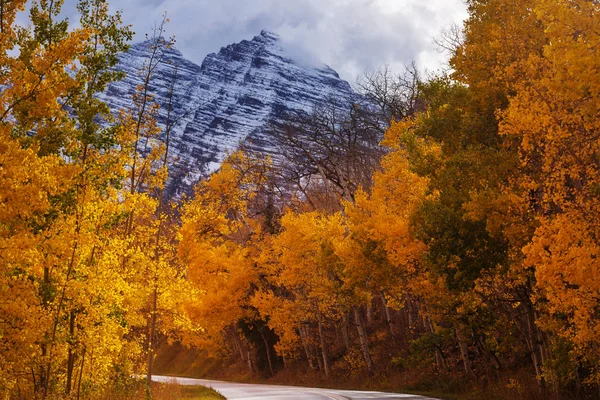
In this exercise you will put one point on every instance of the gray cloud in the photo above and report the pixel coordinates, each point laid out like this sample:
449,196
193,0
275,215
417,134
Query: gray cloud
349,35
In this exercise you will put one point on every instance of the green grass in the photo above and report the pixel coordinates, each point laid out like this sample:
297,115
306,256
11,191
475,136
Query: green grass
199,393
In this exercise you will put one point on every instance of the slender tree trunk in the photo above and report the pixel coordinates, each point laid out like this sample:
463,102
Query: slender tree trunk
161,200
250,363
362,335
542,340
464,353
532,341
323,344
320,362
268,351
417,307
439,359
71,355
305,345
59,308
388,316
33,380
41,385
151,335
39,388
249,356
238,345
80,374
409,313
2,16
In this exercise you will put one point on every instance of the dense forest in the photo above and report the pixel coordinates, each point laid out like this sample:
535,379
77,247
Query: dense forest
449,231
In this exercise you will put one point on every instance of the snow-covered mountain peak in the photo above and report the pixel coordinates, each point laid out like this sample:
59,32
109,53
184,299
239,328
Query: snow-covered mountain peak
268,36
239,94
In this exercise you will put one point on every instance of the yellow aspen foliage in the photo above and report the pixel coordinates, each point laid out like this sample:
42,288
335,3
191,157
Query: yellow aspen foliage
304,250
564,253
554,115
498,33
305,279
70,304
555,111
285,316
216,237
380,252
27,180
36,181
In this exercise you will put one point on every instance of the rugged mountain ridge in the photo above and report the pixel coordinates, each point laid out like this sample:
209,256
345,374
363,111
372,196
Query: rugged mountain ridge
238,94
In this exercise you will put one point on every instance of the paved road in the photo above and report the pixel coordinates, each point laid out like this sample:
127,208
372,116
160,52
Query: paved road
246,391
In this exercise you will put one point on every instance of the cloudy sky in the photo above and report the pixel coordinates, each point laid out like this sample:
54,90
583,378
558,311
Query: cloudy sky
349,35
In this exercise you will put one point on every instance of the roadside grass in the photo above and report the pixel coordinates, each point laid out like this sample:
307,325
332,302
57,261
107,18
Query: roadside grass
200,393
136,390
174,391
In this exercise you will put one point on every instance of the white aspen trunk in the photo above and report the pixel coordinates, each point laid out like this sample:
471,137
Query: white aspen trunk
362,335
304,340
388,316
323,344
464,353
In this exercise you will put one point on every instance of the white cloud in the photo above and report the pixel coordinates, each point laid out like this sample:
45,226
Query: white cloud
349,35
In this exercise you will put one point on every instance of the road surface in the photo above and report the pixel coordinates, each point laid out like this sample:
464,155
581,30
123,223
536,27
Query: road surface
246,391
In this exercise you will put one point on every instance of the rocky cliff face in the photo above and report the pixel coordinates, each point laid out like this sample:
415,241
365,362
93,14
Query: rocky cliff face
238,94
